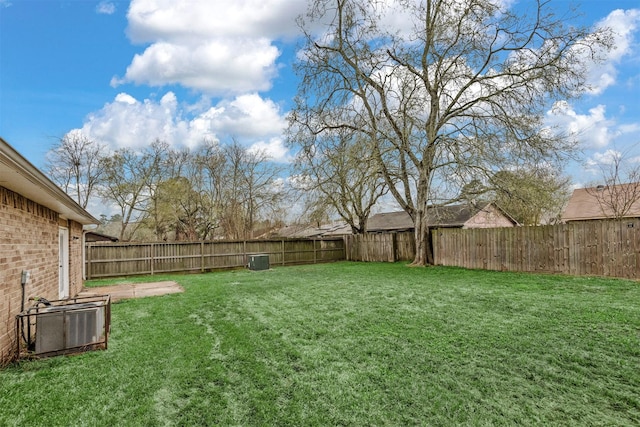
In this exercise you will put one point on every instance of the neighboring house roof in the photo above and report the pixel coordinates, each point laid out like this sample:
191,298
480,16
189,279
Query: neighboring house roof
445,216
296,230
597,202
309,231
93,236
390,221
19,175
340,229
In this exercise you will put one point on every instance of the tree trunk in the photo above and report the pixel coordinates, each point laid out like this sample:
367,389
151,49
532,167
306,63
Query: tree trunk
424,251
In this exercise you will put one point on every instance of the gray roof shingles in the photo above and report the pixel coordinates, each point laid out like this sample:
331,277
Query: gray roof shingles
444,216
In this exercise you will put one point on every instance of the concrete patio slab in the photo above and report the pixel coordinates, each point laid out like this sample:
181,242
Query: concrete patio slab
134,290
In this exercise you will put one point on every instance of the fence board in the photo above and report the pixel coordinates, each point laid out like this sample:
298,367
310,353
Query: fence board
107,259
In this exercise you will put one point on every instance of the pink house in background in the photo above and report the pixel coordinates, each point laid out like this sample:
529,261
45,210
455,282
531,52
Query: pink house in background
603,202
41,242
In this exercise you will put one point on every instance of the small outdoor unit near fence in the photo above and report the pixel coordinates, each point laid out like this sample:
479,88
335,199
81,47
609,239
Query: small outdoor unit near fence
64,326
258,262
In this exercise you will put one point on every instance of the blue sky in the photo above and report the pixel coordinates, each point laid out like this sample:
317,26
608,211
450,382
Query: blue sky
127,72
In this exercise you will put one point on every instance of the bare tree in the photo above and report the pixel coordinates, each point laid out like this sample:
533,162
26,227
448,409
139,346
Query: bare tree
250,190
620,193
130,179
456,93
343,175
170,198
209,180
75,164
185,200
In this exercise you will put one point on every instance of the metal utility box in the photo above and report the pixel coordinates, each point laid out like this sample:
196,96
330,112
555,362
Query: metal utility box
258,262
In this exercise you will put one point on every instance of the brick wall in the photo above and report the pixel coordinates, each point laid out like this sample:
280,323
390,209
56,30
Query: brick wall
29,241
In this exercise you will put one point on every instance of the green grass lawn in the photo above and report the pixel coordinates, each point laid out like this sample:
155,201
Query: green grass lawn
350,344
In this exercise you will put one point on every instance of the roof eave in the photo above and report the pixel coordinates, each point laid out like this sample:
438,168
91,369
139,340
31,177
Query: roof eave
19,175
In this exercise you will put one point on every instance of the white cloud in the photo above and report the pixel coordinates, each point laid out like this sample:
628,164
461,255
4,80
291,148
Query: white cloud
274,148
592,130
218,66
125,98
611,160
106,8
5,3
128,122
219,48
153,20
249,116
608,157
624,25
630,128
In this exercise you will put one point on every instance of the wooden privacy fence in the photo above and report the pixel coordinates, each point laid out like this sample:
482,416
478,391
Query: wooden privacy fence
601,248
389,247
123,259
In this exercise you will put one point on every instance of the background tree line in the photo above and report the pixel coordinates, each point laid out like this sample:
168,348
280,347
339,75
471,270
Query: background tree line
163,193
230,192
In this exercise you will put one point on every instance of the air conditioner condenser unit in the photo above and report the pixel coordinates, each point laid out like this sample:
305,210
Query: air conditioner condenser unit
63,326
258,262
69,326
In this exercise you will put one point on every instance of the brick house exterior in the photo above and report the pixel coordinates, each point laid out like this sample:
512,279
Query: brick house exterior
38,224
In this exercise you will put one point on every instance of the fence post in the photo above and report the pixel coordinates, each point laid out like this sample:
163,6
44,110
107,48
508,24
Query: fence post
345,240
87,251
315,256
282,245
344,247
245,258
202,256
151,257
394,247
